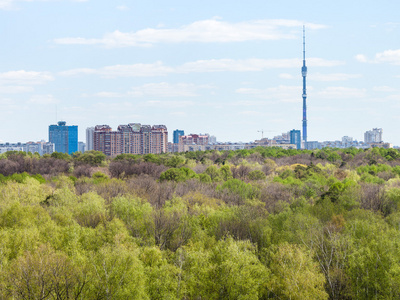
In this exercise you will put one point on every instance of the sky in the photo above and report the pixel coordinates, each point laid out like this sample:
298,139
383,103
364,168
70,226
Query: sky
228,68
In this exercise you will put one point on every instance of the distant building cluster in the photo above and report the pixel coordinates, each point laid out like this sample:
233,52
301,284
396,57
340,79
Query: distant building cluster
133,138
41,147
372,138
191,142
287,140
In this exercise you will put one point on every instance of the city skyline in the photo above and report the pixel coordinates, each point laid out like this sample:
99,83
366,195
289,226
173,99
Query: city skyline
230,69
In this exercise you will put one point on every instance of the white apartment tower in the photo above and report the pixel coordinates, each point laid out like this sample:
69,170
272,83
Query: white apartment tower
89,138
373,136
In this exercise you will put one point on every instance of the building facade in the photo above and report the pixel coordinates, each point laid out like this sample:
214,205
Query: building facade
64,138
295,138
373,136
81,147
177,134
133,138
89,138
192,139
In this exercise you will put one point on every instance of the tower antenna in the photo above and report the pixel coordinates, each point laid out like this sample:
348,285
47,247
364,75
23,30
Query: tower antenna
304,74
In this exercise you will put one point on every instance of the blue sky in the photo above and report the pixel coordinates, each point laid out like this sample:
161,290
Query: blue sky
228,68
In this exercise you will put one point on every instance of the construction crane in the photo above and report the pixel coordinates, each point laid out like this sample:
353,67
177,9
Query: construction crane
262,132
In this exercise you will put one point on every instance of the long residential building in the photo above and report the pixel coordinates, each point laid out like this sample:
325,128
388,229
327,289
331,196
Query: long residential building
41,147
133,138
192,139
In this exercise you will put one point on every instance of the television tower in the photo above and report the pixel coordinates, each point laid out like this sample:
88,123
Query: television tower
304,74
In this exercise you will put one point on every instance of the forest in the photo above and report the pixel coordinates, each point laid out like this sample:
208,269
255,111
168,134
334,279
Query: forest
264,223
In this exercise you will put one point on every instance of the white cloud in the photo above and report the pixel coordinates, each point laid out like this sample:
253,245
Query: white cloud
136,70
179,114
200,66
15,89
122,7
43,99
204,31
286,76
251,113
25,77
333,77
387,56
11,107
361,58
164,89
282,93
22,81
6,4
231,65
169,103
320,62
158,90
12,4
341,93
246,65
248,102
383,89
108,95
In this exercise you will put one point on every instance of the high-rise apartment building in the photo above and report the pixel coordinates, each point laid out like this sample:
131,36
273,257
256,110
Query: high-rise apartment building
133,138
192,139
64,138
295,138
89,138
81,147
177,134
373,136
212,139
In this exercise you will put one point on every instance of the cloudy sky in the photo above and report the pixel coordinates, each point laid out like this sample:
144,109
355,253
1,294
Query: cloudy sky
228,68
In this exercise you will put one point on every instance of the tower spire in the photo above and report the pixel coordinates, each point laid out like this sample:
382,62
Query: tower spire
304,74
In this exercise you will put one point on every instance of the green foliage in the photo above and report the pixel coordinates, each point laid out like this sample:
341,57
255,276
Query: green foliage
322,224
92,157
177,175
152,158
126,157
90,210
175,161
60,155
226,173
99,177
257,175
117,273
205,178
240,188
295,275
214,173
136,215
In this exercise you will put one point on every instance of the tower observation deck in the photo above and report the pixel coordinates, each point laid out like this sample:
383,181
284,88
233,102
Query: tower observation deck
304,74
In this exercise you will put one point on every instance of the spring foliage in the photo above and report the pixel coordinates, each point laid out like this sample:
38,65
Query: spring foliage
264,223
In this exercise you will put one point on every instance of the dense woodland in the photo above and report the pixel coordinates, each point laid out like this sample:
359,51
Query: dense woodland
249,224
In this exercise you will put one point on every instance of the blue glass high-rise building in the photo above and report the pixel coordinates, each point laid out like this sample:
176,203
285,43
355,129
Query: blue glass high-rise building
295,138
177,134
64,138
